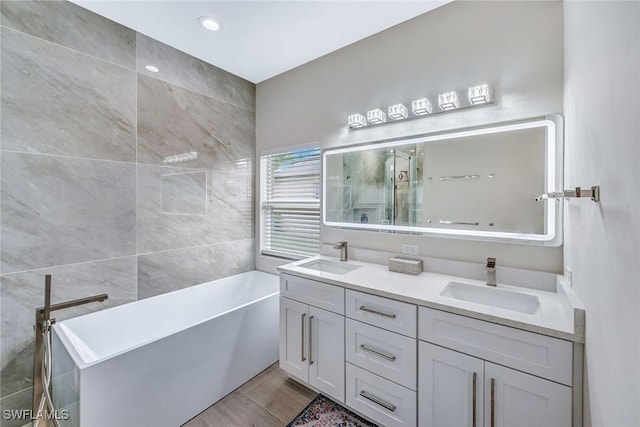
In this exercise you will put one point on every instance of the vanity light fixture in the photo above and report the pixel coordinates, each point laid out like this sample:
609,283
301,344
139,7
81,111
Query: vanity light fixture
376,116
421,106
357,121
476,96
152,68
398,112
208,23
479,94
448,101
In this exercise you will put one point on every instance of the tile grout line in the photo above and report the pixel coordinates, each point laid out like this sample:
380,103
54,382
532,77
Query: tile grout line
136,179
124,256
16,392
272,373
1,188
123,67
199,92
220,167
66,156
70,49
263,407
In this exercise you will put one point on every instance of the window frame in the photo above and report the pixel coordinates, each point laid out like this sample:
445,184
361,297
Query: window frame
267,200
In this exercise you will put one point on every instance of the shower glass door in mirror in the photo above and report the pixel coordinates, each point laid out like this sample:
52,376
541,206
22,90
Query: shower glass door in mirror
476,183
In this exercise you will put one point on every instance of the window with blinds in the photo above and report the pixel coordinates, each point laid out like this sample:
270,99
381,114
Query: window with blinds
291,203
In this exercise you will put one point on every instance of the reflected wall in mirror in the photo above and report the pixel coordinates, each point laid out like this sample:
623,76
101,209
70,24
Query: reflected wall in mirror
475,183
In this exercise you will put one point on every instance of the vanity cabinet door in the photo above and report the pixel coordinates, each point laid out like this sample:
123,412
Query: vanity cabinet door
293,338
450,388
326,352
513,398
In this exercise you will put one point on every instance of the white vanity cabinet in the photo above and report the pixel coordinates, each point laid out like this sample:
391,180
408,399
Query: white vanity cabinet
312,338
388,355
497,383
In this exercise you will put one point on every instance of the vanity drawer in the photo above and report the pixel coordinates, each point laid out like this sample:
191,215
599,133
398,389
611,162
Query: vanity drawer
314,293
385,402
540,355
385,353
385,313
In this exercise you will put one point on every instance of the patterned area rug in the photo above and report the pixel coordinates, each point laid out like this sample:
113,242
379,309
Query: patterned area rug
324,412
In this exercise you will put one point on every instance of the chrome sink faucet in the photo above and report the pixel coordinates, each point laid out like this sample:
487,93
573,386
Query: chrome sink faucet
491,272
343,250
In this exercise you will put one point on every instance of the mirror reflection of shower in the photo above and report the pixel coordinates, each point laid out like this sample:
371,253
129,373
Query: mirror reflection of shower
377,186
401,172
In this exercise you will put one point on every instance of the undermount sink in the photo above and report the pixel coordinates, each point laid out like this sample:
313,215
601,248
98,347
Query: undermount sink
328,266
523,303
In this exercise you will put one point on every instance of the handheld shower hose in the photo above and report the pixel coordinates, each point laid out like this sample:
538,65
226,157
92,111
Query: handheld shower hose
46,402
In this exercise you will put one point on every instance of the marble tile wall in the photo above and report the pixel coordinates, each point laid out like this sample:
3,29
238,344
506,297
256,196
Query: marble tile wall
86,192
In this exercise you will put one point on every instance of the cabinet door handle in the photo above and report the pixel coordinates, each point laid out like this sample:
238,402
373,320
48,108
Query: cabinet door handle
493,402
379,313
302,358
390,406
377,353
310,340
473,400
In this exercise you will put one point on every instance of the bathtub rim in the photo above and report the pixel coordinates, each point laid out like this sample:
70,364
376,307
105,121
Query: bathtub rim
82,364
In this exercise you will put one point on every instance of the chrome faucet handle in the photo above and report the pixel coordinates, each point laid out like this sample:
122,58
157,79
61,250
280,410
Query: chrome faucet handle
491,272
343,250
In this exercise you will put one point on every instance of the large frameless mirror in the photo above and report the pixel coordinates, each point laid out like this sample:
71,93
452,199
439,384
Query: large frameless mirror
478,183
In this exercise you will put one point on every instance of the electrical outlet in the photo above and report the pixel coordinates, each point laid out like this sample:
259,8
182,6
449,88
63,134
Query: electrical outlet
568,274
409,249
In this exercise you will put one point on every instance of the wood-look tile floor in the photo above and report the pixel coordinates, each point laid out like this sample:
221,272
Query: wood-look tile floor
269,399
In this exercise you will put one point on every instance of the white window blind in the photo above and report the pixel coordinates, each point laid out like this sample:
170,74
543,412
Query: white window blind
291,203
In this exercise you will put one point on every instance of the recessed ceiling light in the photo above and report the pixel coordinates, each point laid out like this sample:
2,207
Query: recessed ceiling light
152,68
209,23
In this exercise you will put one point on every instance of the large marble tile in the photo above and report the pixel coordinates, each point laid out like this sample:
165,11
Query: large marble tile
17,371
16,402
173,218
57,101
58,210
72,26
21,293
173,120
184,70
168,271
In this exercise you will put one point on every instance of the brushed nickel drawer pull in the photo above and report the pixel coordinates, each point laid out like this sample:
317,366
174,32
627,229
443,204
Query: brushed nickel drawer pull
379,313
473,410
377,353
493,402
310,340
302,358
390,406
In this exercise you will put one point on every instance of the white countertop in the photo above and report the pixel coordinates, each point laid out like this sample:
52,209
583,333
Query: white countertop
561,314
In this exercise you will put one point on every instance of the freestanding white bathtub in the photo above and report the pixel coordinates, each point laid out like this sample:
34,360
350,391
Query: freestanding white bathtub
162,360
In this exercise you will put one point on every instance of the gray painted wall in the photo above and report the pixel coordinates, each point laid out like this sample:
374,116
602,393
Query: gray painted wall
602,107
85,195
515,45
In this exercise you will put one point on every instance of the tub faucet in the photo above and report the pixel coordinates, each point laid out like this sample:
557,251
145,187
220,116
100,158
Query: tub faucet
343,250
491,272
42,328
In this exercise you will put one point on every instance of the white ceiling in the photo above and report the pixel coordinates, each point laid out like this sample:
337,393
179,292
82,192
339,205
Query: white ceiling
260,39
